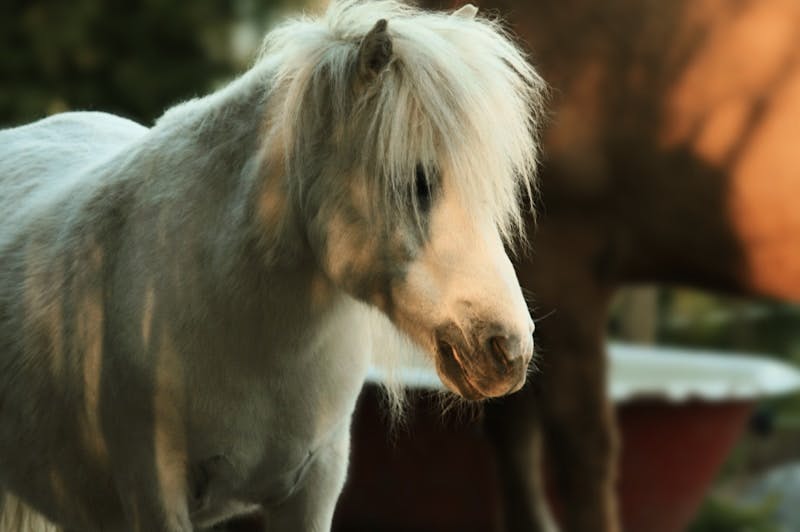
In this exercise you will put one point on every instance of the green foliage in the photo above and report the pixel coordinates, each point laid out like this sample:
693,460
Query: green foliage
717,515
702,320
130,57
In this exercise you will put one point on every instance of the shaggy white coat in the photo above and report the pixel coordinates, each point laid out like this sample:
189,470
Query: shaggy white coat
187,312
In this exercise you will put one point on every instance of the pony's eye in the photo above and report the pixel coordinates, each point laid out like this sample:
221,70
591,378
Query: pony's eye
422,186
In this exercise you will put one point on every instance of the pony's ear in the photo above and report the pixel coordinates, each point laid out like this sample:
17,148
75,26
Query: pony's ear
375,51
467,11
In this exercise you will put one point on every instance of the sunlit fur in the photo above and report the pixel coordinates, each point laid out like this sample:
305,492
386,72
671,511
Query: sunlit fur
188,312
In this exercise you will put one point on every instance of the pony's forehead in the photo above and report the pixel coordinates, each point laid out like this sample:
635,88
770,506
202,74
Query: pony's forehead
457,82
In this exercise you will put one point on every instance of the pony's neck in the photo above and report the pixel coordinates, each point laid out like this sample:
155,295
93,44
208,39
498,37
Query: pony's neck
223,131
232,156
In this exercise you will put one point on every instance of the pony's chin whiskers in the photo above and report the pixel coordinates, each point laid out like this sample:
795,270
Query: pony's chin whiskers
456,409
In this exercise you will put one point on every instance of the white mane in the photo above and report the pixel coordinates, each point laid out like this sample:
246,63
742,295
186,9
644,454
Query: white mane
458,92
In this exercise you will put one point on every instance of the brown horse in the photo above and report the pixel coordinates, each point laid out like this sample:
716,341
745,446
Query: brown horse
672,156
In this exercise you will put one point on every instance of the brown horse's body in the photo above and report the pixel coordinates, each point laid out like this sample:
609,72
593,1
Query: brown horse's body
672,156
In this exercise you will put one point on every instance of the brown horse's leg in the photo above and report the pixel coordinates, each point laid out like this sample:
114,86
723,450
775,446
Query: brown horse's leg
567,399
513,427
569,279
578,420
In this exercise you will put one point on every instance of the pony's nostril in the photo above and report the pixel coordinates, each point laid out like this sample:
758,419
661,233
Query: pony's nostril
511,352
506,349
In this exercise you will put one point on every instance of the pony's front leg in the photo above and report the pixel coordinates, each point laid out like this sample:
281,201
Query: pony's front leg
311,508
152,481
149,509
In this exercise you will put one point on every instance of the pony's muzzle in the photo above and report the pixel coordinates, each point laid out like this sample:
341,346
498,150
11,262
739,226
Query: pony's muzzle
495,365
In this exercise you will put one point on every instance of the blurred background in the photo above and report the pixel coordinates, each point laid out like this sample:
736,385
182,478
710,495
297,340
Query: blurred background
132,58
135,58
763,470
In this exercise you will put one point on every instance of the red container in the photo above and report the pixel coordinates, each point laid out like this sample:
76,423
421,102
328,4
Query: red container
671,454
436,475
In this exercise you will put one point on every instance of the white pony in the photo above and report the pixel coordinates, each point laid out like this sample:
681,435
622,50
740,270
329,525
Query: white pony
187,312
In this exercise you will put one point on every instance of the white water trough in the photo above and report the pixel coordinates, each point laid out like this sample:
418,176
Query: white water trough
654,372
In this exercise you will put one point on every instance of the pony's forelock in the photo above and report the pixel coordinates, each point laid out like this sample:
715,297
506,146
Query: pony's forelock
458,93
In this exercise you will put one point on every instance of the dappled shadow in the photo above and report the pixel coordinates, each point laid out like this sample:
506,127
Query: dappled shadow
93,382
129,322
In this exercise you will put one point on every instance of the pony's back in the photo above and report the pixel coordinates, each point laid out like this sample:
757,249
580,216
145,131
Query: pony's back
52,152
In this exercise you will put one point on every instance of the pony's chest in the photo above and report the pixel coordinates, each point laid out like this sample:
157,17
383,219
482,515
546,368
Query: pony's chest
263,450
255,441
225,485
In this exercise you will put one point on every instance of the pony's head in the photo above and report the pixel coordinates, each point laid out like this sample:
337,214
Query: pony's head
410,140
